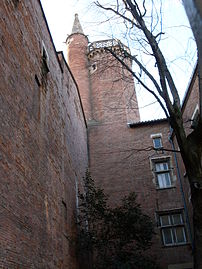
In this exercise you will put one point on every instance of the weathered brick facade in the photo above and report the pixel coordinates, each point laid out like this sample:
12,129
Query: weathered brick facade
46,142
43,148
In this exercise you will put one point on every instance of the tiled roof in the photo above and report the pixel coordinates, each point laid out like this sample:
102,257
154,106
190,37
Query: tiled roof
149,122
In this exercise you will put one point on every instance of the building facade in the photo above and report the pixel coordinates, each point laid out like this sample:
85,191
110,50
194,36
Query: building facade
58,119
125,154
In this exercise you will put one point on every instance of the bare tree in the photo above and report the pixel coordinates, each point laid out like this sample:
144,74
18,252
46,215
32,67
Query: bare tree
135,18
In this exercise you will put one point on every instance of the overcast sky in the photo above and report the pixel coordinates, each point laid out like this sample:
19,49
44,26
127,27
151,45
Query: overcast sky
178,44
60,17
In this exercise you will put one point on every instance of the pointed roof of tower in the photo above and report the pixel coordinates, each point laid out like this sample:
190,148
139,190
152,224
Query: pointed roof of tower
77,29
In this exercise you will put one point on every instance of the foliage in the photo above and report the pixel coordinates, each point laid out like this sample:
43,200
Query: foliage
113,237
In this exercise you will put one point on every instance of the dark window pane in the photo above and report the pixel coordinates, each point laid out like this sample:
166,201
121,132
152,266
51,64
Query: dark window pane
165,220
177,219
180,235
167,236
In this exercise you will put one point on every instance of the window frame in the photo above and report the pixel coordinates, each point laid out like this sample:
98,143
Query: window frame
45,57
172,226
168,174
93,67
162,181
157,136
194,117
161,145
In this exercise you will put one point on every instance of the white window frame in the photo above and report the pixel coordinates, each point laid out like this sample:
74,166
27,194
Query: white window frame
172,228
157,136
168,176
155,146
163,176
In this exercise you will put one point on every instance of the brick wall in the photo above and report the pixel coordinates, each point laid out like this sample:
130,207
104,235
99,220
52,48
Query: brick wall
43,151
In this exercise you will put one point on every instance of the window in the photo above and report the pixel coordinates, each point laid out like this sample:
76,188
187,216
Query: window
172,229
195,117
93,68
45,58
162,173
157,142
45,61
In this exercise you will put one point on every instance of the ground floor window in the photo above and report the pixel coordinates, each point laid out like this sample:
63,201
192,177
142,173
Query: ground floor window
172,229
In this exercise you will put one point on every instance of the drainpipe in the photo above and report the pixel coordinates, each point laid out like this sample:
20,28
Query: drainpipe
181,189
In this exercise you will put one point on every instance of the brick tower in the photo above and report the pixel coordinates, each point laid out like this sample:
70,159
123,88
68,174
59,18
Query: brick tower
113,97
106,89
77,45
110,103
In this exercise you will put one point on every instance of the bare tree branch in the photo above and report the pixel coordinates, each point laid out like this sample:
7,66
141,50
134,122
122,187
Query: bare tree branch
138,79
117,13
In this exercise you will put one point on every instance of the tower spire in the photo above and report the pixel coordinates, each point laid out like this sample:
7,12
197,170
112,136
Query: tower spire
77,29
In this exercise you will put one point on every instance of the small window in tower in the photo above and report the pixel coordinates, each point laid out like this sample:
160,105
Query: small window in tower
195,117
93,68
44,67
45,61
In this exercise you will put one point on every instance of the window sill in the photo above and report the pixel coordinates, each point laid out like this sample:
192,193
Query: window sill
177,245
171,187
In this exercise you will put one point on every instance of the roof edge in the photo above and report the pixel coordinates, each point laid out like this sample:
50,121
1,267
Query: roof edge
143,123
